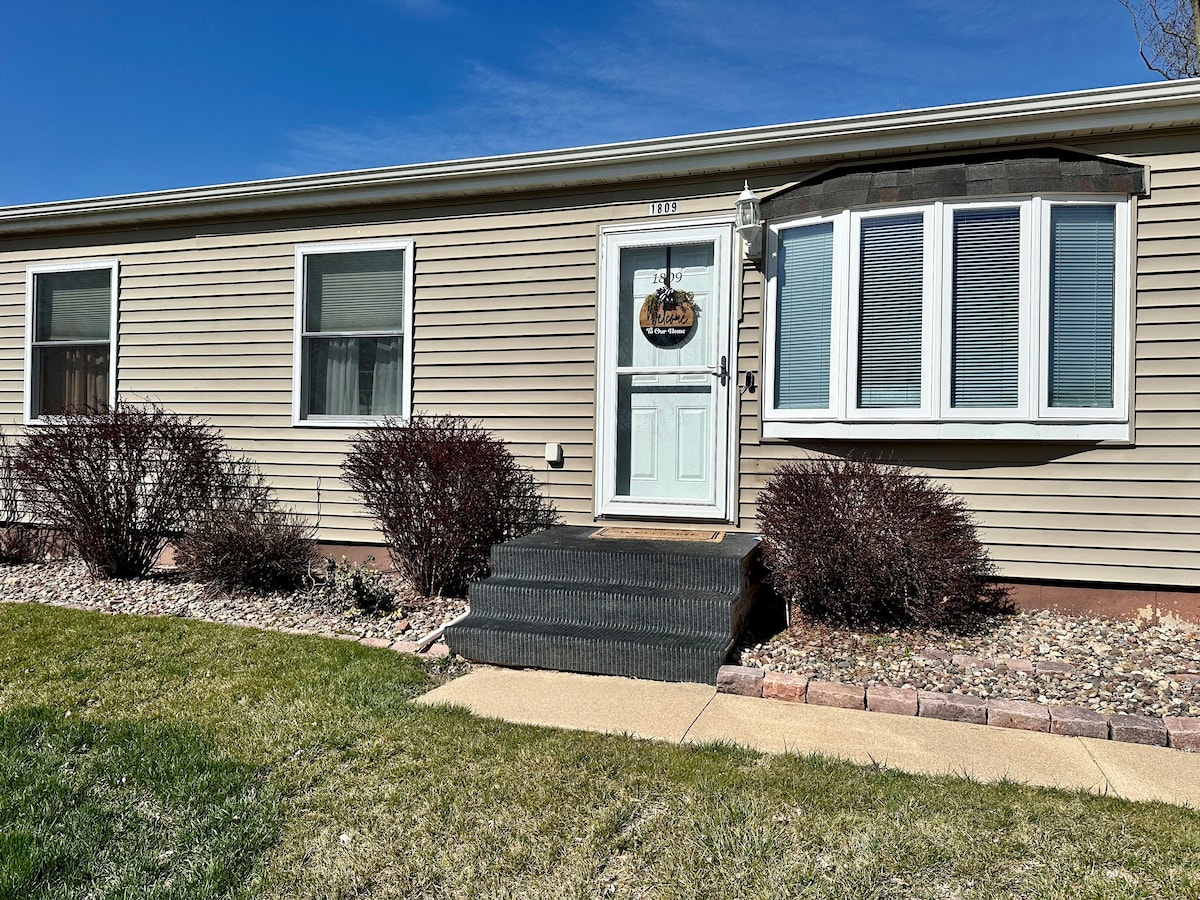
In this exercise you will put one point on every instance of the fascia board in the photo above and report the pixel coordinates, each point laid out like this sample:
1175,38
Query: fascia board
1115,110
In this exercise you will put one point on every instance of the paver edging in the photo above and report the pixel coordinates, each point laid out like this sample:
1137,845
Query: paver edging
1180,732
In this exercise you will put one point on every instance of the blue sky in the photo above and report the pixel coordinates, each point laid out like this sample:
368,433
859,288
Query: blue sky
105,97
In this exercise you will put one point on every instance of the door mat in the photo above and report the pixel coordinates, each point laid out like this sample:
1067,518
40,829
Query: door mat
660,534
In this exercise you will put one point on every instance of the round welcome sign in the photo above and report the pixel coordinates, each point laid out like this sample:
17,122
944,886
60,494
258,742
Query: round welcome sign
668,317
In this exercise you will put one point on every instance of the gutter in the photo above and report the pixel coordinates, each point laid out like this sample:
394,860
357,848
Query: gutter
1122,109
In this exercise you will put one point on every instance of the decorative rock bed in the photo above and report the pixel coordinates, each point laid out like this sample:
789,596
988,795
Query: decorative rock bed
1110,666
1037,671
166,593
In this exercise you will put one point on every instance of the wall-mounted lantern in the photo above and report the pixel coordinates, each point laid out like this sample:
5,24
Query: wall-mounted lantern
749,222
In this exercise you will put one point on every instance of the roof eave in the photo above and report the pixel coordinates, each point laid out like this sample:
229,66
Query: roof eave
1126,109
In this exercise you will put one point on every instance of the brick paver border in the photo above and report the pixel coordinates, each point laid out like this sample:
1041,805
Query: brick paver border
1180,732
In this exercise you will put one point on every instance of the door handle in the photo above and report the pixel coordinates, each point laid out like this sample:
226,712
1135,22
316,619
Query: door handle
722,371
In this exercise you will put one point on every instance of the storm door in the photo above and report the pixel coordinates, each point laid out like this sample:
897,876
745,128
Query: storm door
663,410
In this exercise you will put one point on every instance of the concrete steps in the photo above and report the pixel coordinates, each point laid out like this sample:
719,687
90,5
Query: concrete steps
643,608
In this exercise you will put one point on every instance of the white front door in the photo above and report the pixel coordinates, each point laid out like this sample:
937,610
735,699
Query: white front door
664,372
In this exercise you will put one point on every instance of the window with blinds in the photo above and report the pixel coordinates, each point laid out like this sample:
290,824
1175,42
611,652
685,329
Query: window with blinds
71,350
891,303
1082,284
998,313
985,341
355,311
805,302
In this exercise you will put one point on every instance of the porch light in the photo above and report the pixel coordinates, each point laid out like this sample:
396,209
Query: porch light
749,222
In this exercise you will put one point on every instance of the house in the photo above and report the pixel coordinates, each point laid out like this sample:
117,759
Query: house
1004,295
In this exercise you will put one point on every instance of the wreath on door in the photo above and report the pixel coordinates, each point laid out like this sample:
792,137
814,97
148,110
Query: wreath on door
668,316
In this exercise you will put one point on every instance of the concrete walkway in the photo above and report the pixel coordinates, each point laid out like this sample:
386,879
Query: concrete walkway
696,713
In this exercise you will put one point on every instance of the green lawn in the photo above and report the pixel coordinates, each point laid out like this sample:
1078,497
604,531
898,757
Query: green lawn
171,758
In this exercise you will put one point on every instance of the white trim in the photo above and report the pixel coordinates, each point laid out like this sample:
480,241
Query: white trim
657,225
838,313
298,332
929,230
1028,328
1032,418
1121,322
1126,109
717,231
73,265
1119,432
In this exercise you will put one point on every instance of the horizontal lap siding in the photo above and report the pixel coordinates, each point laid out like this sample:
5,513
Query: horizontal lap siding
505,332
1099,513
505,312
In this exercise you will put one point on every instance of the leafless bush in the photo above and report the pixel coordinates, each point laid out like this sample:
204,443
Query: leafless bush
245,538
863,543
117,483
443,490
21,541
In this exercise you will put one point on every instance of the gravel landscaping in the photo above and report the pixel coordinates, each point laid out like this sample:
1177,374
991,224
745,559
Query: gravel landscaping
1109,665
167,593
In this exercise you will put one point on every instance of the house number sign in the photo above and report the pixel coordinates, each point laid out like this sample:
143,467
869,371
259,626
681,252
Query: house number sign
664,207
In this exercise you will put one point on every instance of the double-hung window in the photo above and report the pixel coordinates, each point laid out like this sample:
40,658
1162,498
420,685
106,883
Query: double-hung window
1003,319
70,323
354,331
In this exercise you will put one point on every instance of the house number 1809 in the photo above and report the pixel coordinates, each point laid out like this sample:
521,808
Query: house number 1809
664,208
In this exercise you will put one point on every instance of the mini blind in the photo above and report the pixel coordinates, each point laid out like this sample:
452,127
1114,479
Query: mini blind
805,293
73,306
985,318
1082,284
358,291
891,302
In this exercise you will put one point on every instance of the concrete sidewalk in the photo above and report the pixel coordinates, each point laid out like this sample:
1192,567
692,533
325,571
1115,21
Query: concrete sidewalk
696,713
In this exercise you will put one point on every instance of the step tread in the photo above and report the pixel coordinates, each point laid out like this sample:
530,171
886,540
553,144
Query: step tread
597,587
649,637
734,546
592,650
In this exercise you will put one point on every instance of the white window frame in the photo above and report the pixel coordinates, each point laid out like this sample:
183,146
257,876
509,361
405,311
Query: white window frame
74,265
1121,316
929,323
1033,418
1029,330
299,417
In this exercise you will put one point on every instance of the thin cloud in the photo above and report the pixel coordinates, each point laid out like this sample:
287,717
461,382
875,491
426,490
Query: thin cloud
679,66
423,9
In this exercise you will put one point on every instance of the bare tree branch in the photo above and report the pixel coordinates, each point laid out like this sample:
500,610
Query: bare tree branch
1168,33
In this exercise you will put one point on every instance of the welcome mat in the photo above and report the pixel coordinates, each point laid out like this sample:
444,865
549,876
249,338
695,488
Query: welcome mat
660,534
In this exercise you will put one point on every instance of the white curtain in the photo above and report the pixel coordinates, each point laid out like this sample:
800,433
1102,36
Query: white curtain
337,391
386,377
73,378
357,376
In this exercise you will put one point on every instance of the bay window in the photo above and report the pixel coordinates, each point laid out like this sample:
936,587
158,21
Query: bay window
354,314
70,322
1001,319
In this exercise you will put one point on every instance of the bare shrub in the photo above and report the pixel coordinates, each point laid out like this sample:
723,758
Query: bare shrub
859,542
21,541
245,538
443,490
117,483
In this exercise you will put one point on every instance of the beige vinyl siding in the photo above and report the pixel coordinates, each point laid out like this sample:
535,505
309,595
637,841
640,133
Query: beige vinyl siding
505,313
1124,514
504,331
